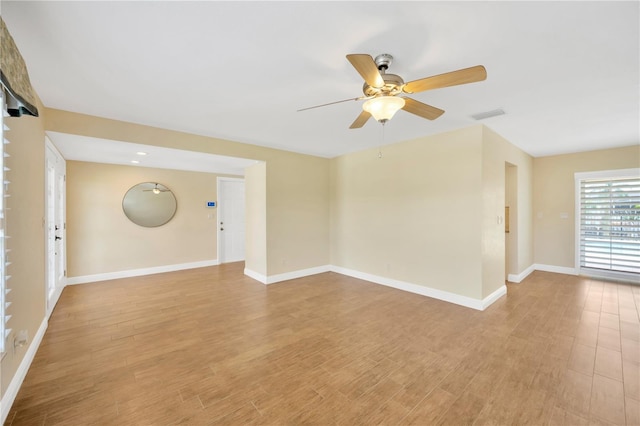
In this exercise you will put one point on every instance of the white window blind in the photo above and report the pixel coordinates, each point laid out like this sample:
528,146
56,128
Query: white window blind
609,221
5,290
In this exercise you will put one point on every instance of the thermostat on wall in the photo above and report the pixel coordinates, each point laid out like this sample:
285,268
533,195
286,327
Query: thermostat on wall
211,203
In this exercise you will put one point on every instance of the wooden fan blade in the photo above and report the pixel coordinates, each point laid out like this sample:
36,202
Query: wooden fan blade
453,78
367,68
422,110
331,103
361,120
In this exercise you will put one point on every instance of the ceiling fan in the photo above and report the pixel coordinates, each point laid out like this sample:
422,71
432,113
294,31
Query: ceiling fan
382,90
157,190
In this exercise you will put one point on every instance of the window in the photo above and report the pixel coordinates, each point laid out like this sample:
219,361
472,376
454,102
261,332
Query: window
608,223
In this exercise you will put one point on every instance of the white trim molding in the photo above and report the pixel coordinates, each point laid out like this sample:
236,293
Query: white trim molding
56,297
255,275
556,269
623,277
627,277
517,278
138,272
12,390
479,304
272,279
493,297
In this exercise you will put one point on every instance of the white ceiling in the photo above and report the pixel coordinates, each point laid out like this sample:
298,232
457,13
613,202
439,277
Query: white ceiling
566,73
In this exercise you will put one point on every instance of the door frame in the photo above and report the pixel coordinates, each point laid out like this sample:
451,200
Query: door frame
219,180
50,301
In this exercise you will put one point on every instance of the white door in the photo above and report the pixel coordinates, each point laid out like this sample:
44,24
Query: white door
231,220
55,223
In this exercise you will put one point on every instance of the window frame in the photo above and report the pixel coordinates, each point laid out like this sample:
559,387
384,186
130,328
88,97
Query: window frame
598,175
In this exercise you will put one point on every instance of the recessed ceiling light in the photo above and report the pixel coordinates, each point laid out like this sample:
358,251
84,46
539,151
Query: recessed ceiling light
141,153
135,161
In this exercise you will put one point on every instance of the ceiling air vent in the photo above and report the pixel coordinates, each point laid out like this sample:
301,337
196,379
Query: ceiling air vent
488,114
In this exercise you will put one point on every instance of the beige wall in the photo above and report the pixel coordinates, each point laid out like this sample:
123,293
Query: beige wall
297,186
554,195
413,214
101,239
427,212
498,152
492,241
256,217
25,226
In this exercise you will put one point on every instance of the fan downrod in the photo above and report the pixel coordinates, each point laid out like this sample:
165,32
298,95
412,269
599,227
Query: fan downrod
383,61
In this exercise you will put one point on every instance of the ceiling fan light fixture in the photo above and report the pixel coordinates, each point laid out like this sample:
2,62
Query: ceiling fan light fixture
383,108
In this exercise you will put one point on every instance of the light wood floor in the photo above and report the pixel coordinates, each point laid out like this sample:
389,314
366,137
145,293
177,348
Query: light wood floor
210,346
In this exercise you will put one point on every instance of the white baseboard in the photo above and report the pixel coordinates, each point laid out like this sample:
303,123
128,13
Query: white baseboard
55,298
490,299
517,278
297,274
14,386
425,291
256,276
138,272
479,304
272,279
555,269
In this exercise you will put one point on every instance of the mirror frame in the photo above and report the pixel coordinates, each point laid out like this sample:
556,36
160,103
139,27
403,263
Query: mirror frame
145,208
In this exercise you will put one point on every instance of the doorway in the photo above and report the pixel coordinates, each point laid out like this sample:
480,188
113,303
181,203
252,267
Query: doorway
55,180
231,220
511,220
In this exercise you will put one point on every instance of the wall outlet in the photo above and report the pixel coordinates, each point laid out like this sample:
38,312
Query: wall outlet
21,339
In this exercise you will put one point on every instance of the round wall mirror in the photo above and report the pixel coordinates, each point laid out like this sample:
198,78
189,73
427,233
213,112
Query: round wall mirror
149,204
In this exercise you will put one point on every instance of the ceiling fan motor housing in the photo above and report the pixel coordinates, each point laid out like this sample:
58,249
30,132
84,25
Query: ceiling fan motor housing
392,86
392,83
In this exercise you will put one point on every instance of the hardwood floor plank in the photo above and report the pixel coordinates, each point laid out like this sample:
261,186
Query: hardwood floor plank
212,346
464,410
608,363
607,400
561,417
431,408
609,338
631,374
632,411
574,393
582,359
630,331
610,320
631,350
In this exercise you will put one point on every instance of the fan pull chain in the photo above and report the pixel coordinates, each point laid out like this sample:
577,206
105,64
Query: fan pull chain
380,147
